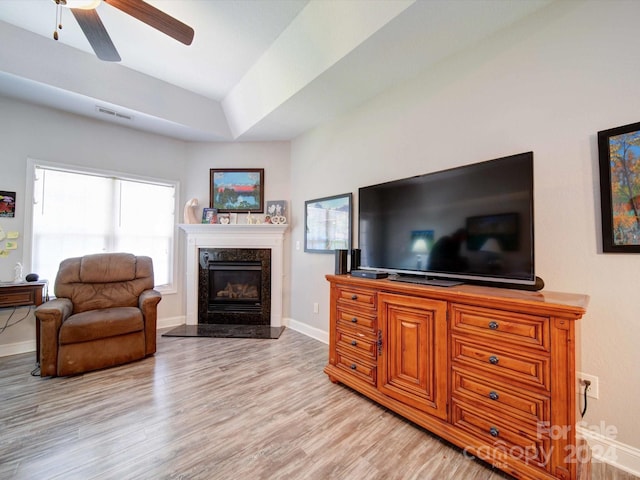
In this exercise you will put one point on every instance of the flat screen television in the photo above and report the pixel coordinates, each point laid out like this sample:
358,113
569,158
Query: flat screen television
468,224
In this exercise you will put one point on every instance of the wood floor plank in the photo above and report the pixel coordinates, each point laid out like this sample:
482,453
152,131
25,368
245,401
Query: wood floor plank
213,408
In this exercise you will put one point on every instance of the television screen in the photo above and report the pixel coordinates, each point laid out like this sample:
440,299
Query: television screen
471,223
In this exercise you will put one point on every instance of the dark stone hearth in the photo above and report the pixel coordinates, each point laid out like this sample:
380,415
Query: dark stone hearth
226,331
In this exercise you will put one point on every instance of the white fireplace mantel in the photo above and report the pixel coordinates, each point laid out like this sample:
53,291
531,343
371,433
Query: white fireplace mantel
233,236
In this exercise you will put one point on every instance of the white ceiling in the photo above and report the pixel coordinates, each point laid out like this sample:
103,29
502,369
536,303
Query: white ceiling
256,70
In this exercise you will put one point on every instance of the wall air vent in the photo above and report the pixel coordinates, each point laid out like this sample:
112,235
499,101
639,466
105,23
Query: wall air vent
113,113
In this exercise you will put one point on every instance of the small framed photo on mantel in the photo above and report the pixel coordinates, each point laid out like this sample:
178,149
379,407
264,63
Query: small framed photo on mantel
276,212
210,215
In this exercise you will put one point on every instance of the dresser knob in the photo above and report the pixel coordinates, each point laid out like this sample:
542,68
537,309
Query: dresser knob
494,395
494,325
354,297
354,343
353,366
494,432
493,360
354,319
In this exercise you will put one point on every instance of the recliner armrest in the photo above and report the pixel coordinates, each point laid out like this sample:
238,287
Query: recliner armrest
149,298
50,315
148,304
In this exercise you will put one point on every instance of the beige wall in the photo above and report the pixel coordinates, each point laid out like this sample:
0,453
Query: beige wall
548,84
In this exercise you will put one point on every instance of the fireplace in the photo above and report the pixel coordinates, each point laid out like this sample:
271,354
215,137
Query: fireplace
241,236
234,286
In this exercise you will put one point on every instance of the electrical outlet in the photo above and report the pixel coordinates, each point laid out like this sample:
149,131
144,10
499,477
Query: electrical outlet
316,308
592,390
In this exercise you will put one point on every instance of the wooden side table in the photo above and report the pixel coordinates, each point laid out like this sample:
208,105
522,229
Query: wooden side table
21,294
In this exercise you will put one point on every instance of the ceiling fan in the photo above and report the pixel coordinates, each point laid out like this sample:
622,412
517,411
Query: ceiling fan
85,13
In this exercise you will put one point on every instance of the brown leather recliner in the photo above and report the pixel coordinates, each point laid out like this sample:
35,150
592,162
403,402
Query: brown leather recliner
104,314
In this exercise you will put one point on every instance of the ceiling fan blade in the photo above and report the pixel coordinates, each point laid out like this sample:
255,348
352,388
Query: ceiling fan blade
155,18
97,35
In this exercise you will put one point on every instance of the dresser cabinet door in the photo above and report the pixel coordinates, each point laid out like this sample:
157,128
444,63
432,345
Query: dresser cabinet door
412,361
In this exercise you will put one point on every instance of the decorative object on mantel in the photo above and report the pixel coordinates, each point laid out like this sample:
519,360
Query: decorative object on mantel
276,212
236,189
189,211
619,149
224,218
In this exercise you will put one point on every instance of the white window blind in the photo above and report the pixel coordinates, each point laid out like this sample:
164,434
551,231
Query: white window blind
78,213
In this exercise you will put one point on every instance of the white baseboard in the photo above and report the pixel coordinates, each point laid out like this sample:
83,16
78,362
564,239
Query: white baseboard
171,321
308,330
16,348
610,451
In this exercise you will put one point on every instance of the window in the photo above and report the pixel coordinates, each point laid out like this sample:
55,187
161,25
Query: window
77,213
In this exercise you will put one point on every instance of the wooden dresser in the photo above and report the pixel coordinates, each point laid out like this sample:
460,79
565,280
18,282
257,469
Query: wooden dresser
491,370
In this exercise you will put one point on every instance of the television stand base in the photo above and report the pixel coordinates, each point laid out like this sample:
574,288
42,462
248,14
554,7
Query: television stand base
438,282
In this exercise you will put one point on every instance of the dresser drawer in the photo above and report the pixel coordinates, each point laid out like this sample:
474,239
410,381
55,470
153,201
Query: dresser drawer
356,320
497,325
527,368
496,396
526,445
356,367
356,343
356,297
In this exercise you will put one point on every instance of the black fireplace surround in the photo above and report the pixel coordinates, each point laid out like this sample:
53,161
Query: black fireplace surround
234,286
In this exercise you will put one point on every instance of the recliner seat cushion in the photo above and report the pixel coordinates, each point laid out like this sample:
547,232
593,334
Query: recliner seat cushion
96,324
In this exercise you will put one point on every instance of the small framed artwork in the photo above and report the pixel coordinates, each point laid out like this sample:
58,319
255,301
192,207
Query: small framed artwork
327,224
619,155
224,218
276,212
239,190
7,204
209,215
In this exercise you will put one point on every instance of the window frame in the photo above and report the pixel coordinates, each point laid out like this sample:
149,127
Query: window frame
32,164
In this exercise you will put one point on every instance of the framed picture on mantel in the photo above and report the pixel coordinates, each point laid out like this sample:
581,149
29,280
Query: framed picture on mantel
239,190
619,152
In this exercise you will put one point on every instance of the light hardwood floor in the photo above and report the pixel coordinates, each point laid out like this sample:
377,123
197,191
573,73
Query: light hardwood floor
208,408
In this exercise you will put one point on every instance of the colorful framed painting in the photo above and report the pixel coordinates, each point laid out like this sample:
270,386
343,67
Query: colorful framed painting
327,224
619,155
239,190
7,204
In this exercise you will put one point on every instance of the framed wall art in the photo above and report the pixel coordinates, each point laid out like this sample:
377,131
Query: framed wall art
327,224
619,156
239,190
7,204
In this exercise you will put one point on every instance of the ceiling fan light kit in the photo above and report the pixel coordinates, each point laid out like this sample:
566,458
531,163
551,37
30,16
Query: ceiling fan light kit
87,17
84,4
